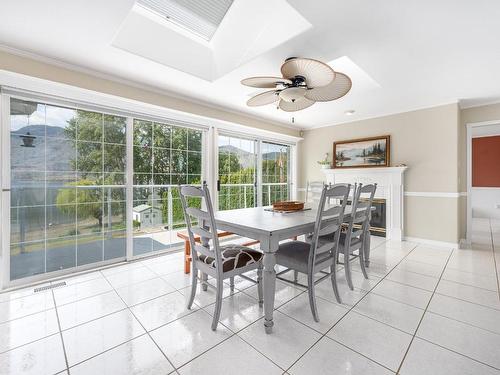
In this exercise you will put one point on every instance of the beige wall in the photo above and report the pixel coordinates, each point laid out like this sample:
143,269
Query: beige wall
427,141
30,67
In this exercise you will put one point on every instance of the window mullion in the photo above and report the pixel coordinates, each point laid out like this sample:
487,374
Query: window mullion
129,191
259,190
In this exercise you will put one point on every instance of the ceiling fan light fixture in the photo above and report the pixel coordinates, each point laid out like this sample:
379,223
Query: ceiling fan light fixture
292,94
303,83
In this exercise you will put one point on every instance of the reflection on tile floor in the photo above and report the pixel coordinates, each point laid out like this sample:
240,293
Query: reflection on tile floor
425,309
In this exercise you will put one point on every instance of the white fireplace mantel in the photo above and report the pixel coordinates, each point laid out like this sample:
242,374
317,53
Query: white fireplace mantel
390,186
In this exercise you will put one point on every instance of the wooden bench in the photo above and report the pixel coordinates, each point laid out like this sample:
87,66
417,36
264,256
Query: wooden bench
187,246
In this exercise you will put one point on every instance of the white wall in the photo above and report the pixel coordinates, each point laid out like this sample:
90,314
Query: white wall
484,200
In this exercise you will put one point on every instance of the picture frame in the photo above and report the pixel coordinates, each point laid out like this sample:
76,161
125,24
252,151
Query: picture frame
371,152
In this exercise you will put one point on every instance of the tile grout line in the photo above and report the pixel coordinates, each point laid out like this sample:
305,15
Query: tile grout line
60,333
457,353
163,325
144,328
441,294
423,315
115,346
143,334
351,309
494,257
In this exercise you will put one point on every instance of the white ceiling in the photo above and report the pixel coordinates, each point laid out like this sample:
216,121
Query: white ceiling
401,55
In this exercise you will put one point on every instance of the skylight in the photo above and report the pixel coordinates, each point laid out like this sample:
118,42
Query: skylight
201,17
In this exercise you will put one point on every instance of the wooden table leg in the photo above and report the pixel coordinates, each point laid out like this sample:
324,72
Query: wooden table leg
187,257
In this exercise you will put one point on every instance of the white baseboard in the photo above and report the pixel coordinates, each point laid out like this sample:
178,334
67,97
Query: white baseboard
433,242
464,244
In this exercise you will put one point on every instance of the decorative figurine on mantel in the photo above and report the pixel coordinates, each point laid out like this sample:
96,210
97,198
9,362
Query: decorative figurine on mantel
325,164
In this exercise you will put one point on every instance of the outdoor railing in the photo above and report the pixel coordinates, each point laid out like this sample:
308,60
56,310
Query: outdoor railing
266,188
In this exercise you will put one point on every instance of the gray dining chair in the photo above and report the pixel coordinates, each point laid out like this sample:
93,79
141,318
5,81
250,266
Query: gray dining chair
320,252
210,258
358,230
313,191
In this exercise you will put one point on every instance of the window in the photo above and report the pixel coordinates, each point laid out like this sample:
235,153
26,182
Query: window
275,172
238,164
237,172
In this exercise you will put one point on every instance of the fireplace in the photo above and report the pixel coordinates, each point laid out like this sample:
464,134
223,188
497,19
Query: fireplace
388,217
378,220
377,223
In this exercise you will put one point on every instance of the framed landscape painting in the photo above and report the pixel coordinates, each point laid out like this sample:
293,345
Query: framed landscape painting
362,153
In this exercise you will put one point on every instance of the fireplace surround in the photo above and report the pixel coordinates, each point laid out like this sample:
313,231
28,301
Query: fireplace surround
390,187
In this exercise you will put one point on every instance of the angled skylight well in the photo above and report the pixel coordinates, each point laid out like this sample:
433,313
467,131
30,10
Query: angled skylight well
201,17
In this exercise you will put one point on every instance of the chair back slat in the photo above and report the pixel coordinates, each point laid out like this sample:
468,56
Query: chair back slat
332,211
197,213
359,217
203,250
329,229
203,233
204,225
362,204
360,212
328,246
191,191
313,191
328,221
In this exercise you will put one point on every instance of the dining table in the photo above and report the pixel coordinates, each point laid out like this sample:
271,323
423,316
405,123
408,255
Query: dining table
270,228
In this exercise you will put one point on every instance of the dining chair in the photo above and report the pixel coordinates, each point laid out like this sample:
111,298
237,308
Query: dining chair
209,257
313,191
358,228
320,252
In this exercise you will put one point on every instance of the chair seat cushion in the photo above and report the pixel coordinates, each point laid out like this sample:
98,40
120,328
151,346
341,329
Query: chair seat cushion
234,256
295,255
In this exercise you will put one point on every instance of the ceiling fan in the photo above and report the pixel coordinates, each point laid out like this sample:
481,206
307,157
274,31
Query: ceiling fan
304,82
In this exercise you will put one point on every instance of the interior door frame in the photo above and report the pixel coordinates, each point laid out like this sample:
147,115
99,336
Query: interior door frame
470,127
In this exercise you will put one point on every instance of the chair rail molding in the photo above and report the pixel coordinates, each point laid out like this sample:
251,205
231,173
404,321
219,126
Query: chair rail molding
390,186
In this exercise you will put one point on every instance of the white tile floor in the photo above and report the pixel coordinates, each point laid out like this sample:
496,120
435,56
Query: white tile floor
424,310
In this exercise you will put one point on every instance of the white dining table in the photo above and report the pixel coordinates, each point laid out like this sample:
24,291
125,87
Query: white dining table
269,228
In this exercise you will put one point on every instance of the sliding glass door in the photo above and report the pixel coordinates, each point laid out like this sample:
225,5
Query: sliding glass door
237,178
68,186
67,205
164,157
275,169
88,188
249,169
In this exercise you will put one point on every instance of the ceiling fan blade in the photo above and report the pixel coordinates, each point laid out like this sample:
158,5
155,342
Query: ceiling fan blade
315,72
267,97
296,105
265,82
340,86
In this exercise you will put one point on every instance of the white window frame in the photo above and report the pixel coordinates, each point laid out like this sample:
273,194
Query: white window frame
259,139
